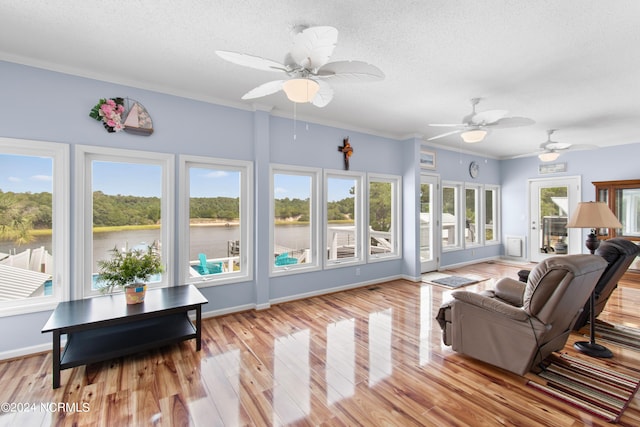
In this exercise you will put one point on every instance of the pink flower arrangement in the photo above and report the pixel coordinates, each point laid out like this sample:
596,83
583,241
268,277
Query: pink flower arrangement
109,112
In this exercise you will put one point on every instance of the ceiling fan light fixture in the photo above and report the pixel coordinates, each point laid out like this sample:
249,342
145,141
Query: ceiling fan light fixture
473,135
301,90
548,156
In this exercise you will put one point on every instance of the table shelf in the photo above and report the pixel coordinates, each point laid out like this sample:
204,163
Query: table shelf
97,345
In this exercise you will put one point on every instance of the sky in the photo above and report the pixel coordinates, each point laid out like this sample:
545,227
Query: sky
33,174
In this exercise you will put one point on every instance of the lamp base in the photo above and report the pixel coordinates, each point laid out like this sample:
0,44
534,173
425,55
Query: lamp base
592,349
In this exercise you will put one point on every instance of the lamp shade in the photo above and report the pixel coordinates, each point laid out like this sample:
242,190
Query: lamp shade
593,215
473,135
301,90
548,156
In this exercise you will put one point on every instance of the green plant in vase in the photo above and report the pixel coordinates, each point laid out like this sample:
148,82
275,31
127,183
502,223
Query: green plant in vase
129,269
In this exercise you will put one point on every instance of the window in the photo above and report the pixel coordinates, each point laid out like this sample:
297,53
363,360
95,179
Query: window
481,222
451,215
472,228
216,206
294,218
384,217
343,214
125,201
34,225
492,214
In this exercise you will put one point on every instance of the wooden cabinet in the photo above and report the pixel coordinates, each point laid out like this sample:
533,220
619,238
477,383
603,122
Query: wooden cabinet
623,198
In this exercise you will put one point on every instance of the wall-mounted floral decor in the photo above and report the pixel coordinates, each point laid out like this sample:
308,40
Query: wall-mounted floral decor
109,112
118,114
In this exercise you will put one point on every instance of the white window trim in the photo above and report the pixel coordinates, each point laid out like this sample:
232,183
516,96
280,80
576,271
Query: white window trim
315,223
60,243
497,219
246,219
479,188
359,218
84,154
396,217
459,217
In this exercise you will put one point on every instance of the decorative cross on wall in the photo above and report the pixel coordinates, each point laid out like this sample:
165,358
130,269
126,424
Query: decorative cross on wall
347,150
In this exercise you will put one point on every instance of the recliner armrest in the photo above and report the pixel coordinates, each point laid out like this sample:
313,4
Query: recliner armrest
510,290
491,304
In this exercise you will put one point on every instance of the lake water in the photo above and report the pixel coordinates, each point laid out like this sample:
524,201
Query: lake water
210,240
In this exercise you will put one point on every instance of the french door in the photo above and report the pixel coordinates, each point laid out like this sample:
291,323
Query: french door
551,203
429,223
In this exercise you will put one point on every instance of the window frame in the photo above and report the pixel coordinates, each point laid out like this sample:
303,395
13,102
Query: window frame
360,258
496,209
61,223
84,156
246,219
459,207
396,217
479,212
315,220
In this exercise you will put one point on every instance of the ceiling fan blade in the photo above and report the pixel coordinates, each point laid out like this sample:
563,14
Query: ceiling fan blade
578,147
552,145
324,95
251,61
339,71
264,89
488,117
313,46
512,122
448,125
442,135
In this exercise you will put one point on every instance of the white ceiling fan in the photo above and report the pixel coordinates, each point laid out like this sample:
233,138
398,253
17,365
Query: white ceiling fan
307,67
475,126
550,150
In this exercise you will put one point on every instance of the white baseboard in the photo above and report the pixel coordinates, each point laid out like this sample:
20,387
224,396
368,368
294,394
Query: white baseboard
464,264
27,351
336,289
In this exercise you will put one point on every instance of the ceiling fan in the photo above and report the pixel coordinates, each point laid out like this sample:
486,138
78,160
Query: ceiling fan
307,67
550,150
475,126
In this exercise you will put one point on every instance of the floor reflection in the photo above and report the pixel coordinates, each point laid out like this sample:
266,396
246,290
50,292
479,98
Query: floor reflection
341,360
291,391
380,332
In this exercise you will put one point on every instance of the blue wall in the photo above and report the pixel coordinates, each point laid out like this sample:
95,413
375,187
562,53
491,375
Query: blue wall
604,164
49,106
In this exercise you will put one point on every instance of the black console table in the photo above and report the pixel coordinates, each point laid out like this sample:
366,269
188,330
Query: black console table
103,328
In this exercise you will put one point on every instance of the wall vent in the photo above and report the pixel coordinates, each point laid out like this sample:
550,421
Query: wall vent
515,245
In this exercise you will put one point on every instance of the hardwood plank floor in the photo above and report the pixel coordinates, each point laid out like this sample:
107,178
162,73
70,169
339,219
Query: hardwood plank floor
371,356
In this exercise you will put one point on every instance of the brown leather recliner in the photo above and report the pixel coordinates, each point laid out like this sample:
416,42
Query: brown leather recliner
516,325
619,254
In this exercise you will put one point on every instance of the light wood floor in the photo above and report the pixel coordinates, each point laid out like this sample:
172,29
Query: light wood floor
371,356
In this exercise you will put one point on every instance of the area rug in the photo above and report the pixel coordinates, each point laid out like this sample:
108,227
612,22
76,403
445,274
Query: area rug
449,281
623,336
604,391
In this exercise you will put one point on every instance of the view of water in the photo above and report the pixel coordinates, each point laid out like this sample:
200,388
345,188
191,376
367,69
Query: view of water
210,240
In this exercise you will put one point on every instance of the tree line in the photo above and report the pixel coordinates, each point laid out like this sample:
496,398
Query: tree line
21,212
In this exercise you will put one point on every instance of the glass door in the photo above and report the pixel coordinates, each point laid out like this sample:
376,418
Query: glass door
429,223
551,203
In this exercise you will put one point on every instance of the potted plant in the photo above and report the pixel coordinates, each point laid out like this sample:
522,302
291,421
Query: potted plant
129,269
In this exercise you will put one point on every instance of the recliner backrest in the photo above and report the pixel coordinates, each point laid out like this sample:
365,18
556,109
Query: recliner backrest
619,254
556,290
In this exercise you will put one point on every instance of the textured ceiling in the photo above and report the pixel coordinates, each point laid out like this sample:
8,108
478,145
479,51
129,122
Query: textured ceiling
571,65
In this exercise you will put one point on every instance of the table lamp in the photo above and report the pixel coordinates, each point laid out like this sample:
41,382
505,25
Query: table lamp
593,215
